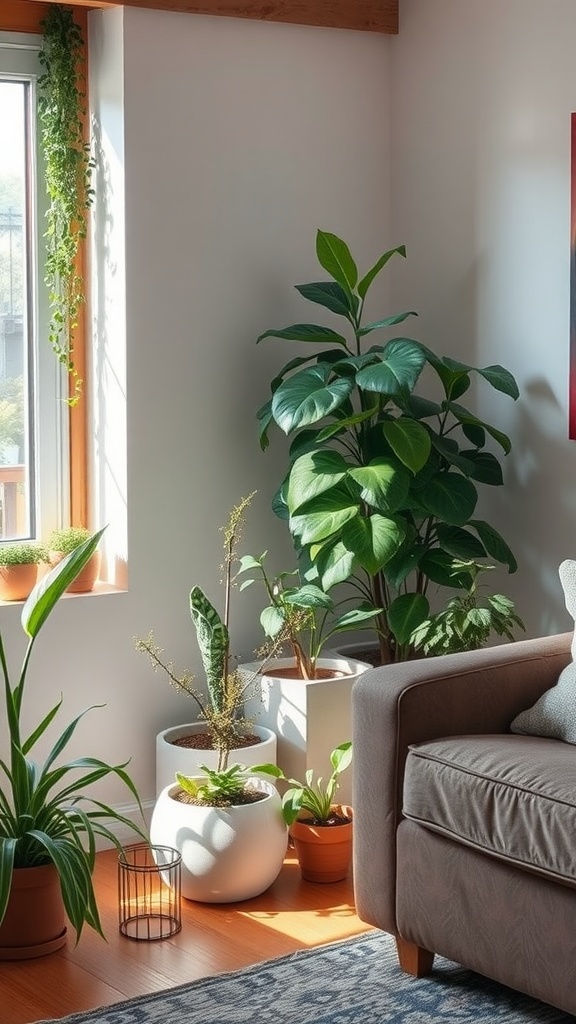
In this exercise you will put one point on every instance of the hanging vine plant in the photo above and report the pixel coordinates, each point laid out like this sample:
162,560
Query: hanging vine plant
68,169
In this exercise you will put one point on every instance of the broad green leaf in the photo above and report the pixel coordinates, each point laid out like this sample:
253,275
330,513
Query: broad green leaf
459,542
409,440
335,564
265,418
449,497
341,757
332,296
421,408
500,379
486,468
373,540
438,566
405,614
495,545
464,416
313,474
388,321
475,434
405,561
335,256
49,590
331,511
384,484
308,397
398,370
448,449
309,596
343,424
272,621
356,618
368,278
305,332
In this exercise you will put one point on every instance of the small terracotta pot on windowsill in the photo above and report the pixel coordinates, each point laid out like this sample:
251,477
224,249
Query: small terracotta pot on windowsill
85,580
17,581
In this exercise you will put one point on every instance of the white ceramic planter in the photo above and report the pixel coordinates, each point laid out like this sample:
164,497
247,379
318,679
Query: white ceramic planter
310,718
187,760
228,853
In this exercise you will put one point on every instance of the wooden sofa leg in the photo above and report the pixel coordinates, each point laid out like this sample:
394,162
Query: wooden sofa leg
413,959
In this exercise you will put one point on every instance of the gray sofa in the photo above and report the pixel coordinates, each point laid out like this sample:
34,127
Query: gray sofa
464,833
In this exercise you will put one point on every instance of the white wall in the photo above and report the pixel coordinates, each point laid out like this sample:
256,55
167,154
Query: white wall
482,94
232,141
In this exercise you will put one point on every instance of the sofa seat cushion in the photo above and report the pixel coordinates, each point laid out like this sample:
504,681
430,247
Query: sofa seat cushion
513,797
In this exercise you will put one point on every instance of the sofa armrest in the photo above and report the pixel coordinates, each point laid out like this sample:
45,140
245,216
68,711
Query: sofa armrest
396,705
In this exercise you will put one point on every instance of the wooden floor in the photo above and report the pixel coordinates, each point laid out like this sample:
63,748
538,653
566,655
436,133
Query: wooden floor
291,915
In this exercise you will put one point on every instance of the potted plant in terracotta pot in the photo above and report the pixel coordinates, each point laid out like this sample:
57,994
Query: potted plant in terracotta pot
227,824
383,480
305,696
224,730
321,829
49,823
61,542
19,569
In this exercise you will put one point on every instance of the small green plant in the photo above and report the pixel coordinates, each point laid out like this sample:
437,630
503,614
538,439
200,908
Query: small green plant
469,618
225,788
382,484
68,169
314,797
22,554
302,616
67,538
45,814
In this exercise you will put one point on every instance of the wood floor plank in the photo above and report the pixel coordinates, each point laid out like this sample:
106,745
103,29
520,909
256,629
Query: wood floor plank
291,915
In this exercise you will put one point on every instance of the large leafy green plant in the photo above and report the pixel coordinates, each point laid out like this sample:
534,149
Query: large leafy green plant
381,489
45,814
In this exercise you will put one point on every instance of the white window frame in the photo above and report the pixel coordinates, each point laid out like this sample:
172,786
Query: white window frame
19,61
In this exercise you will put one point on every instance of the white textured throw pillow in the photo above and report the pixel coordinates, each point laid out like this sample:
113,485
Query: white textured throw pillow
554,714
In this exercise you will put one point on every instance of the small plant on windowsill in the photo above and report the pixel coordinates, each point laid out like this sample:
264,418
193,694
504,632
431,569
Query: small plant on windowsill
68,169
19,569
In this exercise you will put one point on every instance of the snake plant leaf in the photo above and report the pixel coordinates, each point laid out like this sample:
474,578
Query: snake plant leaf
373,540
313,474
460,543
332,296
49,590
405,614
326,517
494,543
367,280
409,441
450,497
485,467
398,370
305,332
388,321
384,484
335,256
309,396
213,642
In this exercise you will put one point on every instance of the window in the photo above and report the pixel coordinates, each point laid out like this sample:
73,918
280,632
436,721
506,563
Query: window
34,417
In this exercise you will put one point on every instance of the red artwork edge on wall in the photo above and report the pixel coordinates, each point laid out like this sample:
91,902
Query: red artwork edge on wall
572,363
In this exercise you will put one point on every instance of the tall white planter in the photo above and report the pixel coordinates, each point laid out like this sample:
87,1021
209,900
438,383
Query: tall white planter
228,853
171,758
310,718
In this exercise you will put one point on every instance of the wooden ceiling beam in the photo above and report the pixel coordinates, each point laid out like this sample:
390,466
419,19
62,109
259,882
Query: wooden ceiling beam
363,15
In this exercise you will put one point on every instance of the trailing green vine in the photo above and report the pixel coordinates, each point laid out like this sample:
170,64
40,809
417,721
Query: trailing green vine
68,169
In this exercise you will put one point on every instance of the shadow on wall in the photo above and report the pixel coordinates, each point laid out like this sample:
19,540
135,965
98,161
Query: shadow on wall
540,506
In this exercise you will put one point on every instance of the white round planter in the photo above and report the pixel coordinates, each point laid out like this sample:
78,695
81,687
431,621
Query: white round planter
310,717
187,760
228,853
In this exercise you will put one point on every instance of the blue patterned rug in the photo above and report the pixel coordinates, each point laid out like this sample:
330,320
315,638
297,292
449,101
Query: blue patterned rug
353,982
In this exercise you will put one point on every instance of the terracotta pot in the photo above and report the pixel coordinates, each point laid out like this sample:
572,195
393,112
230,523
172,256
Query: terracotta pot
86,579
16,581
324,851
35,922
